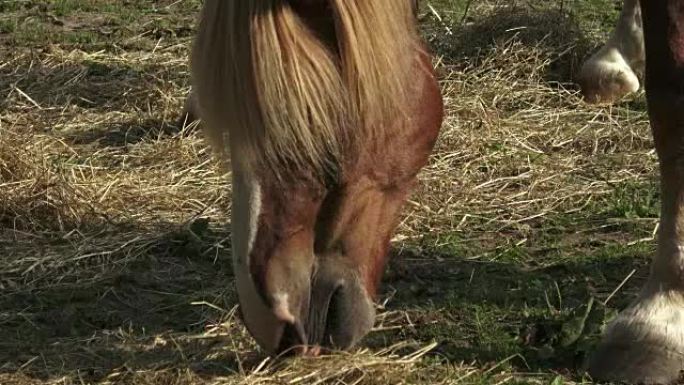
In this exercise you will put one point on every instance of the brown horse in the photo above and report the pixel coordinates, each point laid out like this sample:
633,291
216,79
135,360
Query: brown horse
646,341
645,344
327,110
331,108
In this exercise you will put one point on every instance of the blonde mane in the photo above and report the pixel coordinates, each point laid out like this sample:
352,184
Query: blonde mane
286,99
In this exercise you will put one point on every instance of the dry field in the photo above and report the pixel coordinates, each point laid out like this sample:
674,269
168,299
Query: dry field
531,227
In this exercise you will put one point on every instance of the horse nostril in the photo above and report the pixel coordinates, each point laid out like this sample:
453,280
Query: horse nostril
341,312
337,313
332,322
351,315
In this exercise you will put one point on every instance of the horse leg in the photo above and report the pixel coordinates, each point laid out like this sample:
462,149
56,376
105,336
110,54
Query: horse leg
646,342
611,72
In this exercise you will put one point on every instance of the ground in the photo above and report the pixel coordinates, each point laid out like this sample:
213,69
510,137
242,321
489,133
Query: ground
532,225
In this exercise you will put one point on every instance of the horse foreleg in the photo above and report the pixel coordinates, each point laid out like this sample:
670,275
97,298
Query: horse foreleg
645,343
611,72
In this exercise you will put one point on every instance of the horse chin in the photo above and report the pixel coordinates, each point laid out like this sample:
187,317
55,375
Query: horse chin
339,314
260,320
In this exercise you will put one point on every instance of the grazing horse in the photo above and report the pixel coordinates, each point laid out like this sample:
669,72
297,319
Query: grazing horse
612,72
645,344
326,110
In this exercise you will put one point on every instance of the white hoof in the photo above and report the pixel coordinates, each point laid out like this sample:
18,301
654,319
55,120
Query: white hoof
645,344
606,77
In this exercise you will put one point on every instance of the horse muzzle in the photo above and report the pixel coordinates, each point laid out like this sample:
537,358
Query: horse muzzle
331,311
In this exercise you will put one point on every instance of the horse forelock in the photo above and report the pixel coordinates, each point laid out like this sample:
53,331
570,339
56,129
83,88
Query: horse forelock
289,100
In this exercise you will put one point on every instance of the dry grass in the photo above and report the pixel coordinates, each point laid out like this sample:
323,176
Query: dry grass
115,236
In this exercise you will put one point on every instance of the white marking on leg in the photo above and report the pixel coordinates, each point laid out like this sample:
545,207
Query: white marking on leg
281,308
656,317
611,72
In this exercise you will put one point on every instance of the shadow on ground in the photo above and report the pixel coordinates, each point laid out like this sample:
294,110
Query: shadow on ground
150,311
74,96
90,85
557,33
121,134
489,312
162,300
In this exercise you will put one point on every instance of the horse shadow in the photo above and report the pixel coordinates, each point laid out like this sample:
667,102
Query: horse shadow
129,132
92,87
450,301
169,303
163,301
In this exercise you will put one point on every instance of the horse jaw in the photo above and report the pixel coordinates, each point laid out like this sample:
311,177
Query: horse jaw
262,323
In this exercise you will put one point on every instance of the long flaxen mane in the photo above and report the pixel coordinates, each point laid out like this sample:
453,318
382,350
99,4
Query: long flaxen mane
286,98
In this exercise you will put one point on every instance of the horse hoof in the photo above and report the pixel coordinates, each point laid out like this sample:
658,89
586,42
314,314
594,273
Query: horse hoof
644,345
605,80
